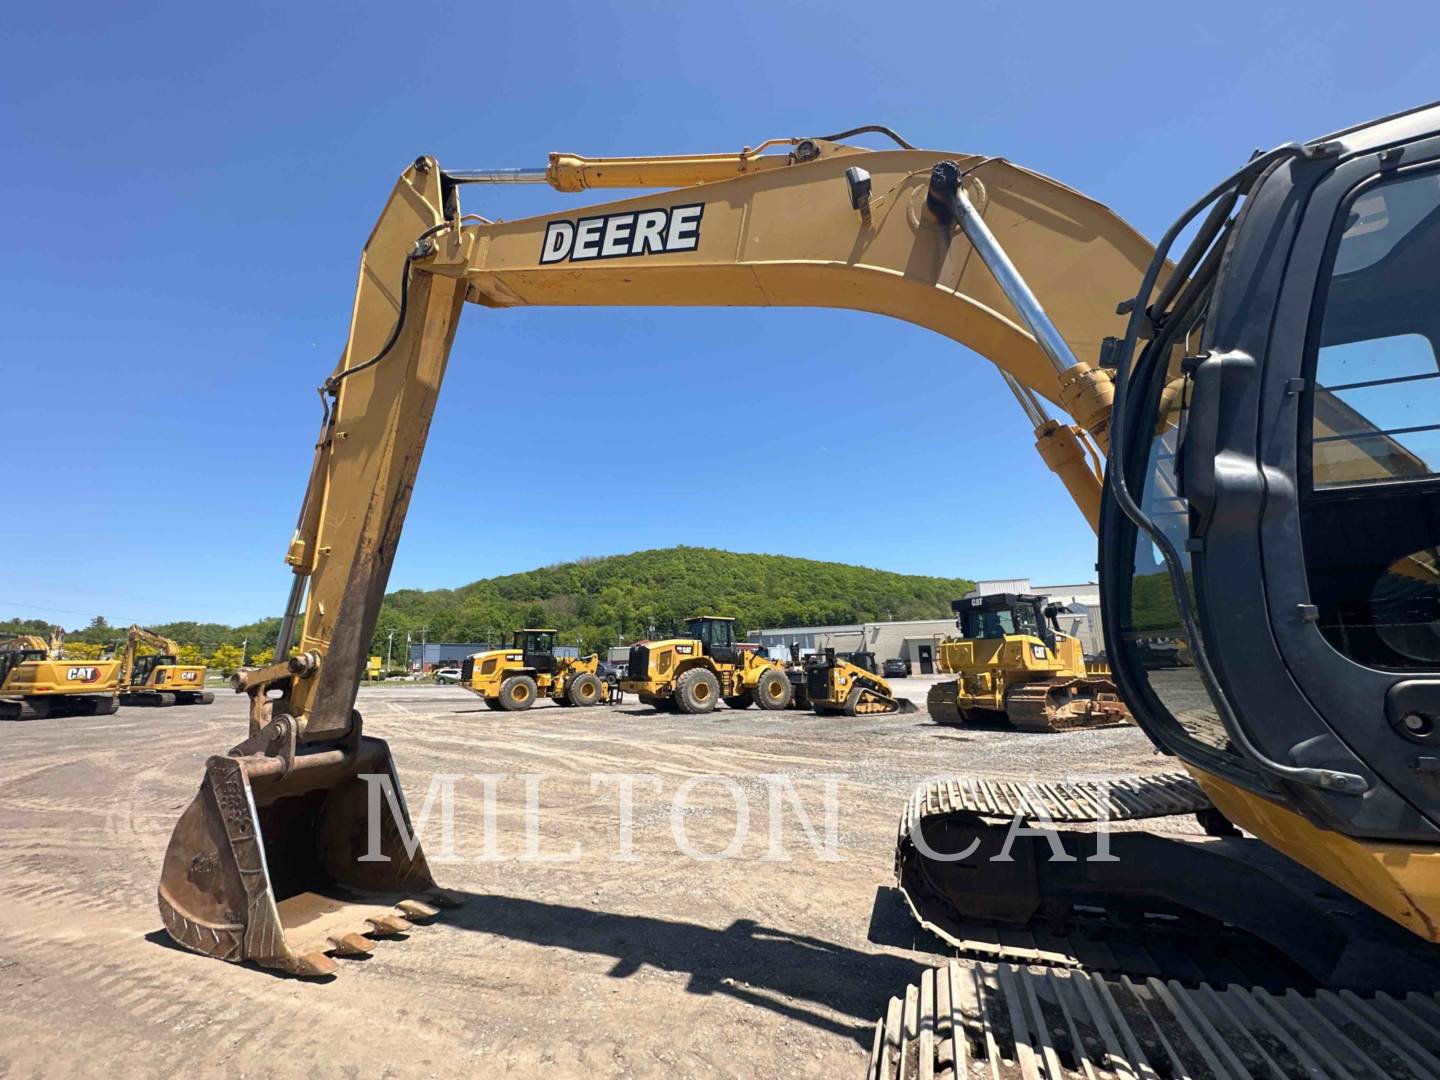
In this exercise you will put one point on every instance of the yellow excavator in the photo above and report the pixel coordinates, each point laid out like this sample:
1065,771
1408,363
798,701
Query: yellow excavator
1289,545
158,678
1012,663
36,680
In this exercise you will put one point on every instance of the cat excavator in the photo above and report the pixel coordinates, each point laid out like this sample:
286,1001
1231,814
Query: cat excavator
1288,541
37,681
158,679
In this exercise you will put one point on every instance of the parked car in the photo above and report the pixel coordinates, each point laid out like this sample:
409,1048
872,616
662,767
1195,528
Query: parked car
896,669
447,675
611,673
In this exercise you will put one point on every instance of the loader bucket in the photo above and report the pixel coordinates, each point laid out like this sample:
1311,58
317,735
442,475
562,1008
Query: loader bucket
272,860
905,705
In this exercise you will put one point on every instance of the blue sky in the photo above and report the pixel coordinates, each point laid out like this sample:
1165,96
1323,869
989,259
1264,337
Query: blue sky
188,187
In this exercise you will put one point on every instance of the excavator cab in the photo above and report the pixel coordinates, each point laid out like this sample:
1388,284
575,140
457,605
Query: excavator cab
11,657
1272,505
145,665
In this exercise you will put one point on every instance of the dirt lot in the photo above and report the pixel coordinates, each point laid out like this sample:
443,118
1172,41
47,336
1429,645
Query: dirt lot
664,965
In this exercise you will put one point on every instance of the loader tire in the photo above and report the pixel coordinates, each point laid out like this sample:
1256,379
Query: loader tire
494,703
696,691
741,701
517,693
583,690
773,690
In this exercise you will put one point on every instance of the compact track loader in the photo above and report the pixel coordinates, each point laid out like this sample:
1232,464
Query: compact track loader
1012,664
1288,539
693,674
35,682
158,679
850,685
512,679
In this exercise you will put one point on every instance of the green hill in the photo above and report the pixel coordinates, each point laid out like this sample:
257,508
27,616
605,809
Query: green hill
597,602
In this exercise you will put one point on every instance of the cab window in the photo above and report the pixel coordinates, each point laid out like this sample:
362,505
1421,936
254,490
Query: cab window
1369,516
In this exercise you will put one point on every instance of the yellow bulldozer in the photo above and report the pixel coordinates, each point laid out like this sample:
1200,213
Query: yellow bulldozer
848,684
157,678
1289,543
513,678
1013,664
693,674
36,681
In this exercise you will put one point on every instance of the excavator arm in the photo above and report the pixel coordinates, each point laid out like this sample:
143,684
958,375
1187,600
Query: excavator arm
798,229
269,863
25,643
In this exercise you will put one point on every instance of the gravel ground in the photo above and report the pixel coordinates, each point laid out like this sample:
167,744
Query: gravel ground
661,965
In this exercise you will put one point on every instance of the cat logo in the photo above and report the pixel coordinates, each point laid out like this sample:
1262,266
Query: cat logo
514,658
684,650
188,676
1038,652
82,674
611,236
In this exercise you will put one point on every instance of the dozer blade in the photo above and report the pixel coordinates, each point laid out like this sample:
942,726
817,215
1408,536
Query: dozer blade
272,862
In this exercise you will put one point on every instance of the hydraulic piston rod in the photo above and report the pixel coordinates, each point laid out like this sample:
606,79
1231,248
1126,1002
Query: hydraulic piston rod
1085,391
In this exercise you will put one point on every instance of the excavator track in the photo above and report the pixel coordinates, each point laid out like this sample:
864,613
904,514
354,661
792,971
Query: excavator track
1003,1021
1193,908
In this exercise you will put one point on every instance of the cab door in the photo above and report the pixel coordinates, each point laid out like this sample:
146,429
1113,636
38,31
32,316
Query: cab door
1310,469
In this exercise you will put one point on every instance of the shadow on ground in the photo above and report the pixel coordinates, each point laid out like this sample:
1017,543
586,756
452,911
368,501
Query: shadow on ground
747,961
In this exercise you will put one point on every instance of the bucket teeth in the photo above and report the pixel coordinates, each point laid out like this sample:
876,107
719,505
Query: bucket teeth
417,909
389,924
313,965
351,944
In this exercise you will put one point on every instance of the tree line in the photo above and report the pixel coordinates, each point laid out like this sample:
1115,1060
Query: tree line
594,603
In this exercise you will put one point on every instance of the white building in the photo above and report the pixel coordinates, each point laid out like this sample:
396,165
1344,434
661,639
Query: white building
913,640
917,640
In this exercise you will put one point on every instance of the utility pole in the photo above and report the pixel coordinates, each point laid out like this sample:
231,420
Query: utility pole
244,650
389,646
423,631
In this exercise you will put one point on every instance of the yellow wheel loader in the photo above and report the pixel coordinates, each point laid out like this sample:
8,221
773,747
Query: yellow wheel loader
1288,539
848,684
36,682
695,673
1013,664
512,679
158,678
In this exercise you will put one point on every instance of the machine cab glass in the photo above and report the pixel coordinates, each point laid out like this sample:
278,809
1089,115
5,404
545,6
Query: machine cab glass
538,647
717,635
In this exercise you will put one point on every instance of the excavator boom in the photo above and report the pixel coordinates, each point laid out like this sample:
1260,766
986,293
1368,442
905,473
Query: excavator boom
821,224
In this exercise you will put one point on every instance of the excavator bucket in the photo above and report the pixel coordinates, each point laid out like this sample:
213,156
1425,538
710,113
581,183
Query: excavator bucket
285,857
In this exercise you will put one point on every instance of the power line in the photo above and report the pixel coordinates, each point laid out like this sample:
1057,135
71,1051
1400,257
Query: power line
42,607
